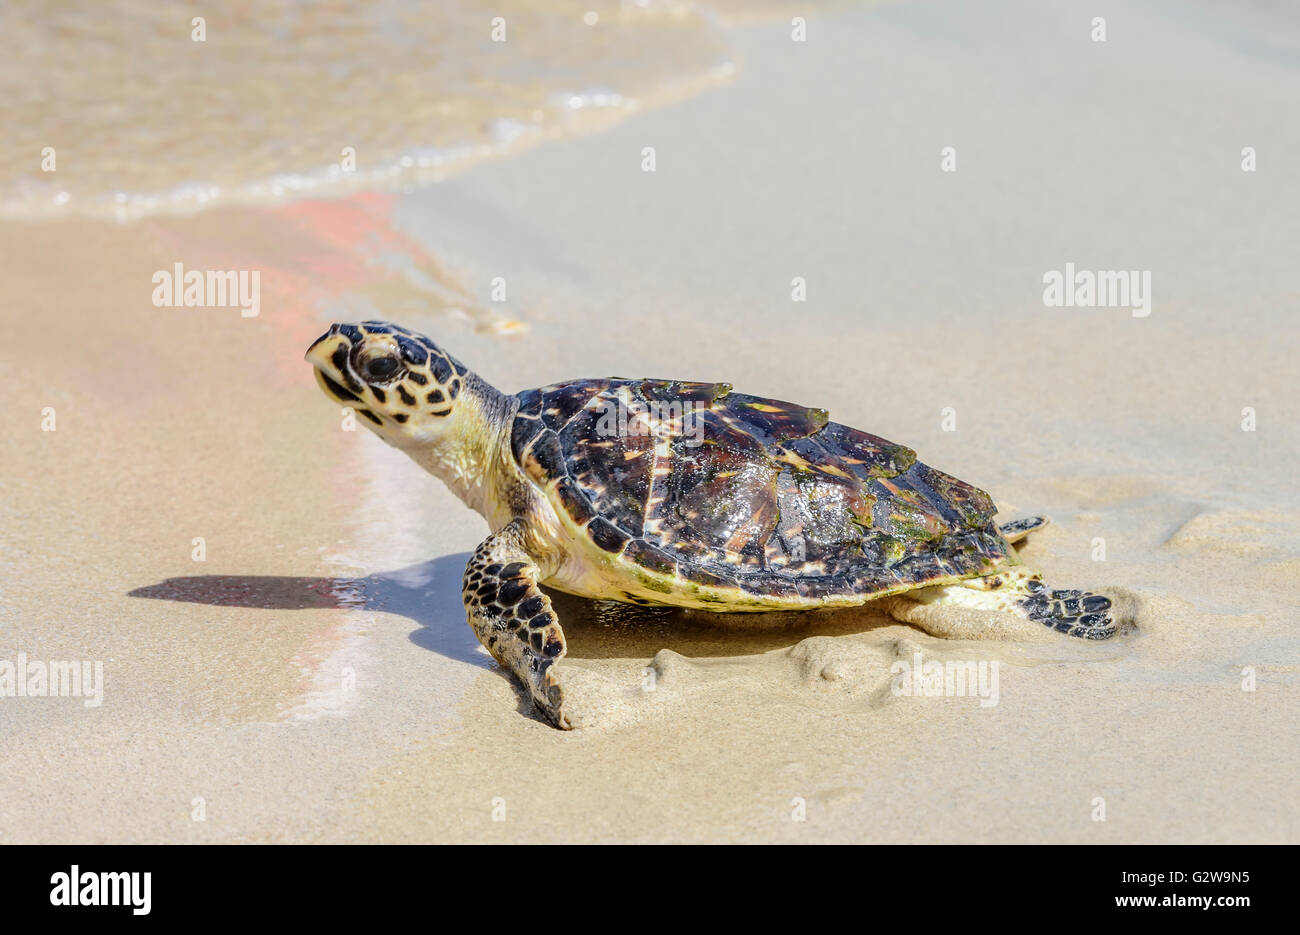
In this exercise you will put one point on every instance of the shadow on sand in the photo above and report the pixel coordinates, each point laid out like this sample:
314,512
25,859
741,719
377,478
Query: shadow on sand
429,594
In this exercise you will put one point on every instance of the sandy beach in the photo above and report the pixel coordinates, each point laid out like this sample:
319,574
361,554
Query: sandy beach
276,601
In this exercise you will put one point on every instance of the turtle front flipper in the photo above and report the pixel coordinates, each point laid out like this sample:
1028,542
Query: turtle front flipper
1009,591
513,619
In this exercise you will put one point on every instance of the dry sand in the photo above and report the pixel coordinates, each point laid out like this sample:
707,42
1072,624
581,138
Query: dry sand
314,680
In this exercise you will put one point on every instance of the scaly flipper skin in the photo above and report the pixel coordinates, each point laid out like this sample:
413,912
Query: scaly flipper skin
513,619
1072,612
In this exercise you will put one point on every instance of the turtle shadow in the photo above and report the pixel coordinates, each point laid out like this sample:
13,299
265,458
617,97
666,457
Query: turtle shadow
429,594
614,630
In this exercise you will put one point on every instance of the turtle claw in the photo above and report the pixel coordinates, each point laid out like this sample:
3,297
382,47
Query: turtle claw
571,698
550,700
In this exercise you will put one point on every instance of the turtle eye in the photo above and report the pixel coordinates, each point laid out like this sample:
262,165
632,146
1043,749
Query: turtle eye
380,368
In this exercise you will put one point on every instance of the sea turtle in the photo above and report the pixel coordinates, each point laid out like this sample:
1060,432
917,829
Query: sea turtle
674,493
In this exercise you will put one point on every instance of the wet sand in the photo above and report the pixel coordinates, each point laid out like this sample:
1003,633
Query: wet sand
314,680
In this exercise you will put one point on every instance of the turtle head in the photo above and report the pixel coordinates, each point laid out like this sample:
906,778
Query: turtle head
403,386
421,400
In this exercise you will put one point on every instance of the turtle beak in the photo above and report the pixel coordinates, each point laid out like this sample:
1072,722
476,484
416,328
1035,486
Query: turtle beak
318,355
323,355
333,389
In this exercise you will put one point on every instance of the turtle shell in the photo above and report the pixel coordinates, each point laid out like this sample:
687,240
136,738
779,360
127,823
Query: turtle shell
733,491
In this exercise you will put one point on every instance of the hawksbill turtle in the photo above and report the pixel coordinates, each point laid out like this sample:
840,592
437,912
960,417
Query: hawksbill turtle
682,494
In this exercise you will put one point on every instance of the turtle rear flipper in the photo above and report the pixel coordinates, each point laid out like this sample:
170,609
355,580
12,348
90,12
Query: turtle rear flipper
1017,529
1072,612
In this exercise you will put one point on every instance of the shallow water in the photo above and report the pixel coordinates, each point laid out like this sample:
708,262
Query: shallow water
304,98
